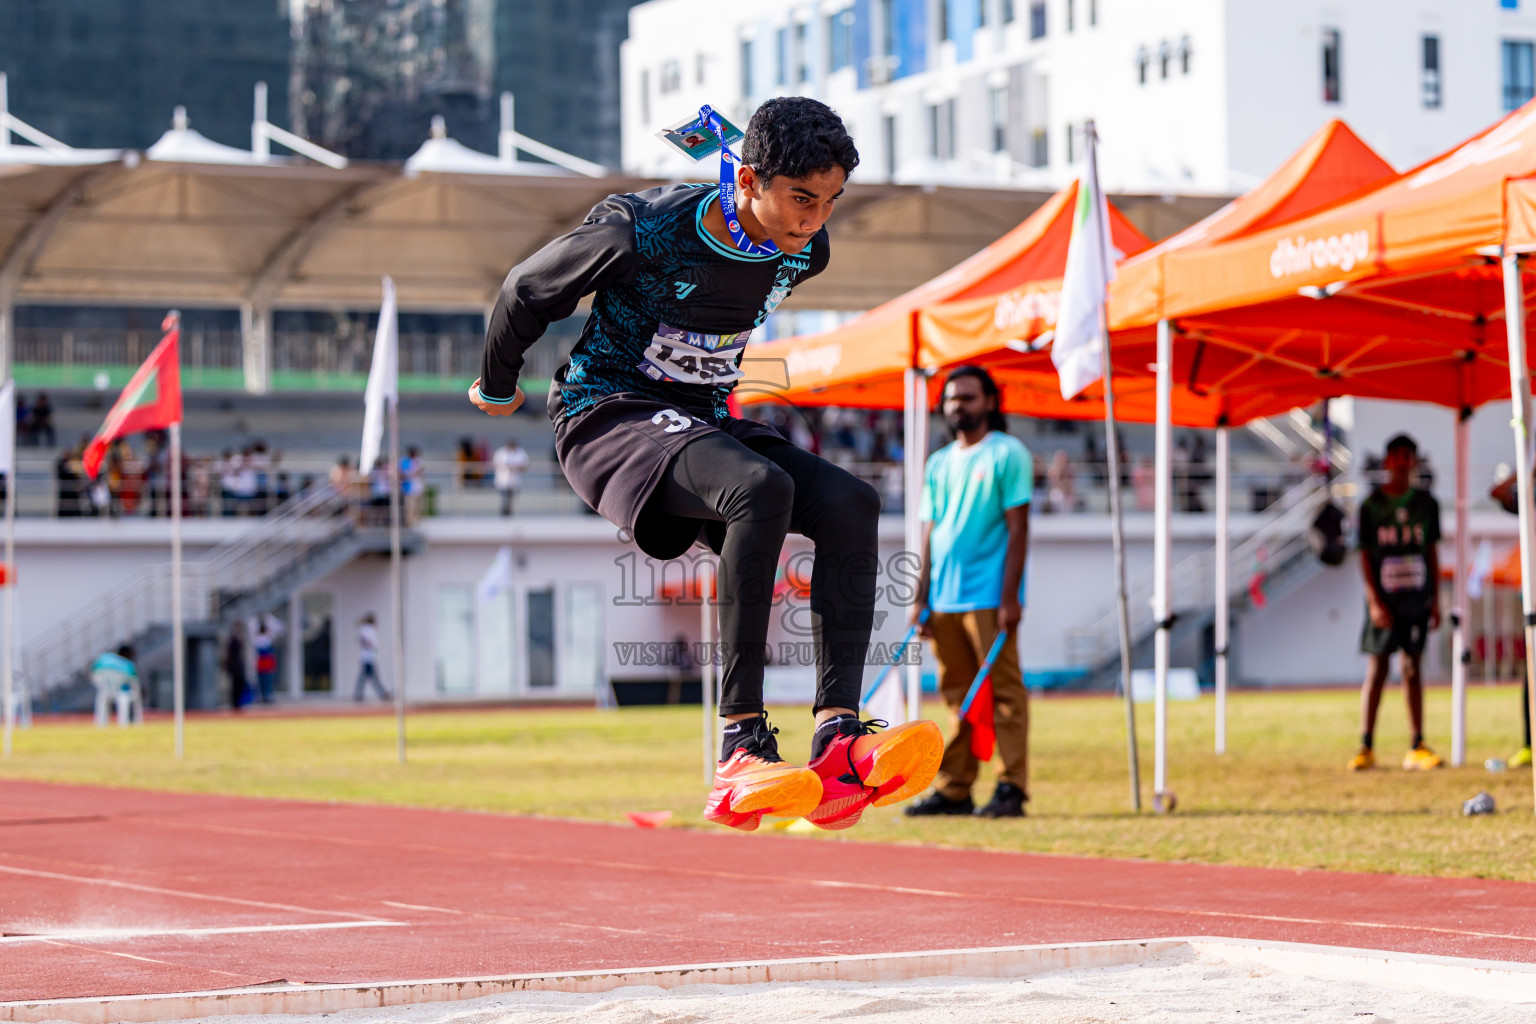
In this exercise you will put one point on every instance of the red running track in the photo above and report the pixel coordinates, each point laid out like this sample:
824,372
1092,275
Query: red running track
113,892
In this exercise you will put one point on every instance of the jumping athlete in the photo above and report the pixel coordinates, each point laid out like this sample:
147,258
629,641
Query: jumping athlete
681,275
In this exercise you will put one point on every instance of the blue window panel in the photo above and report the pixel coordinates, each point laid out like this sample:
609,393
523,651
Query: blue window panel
910,30
963,26
1510,5
861,41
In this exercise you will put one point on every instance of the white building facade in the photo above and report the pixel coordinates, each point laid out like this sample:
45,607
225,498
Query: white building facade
1189,96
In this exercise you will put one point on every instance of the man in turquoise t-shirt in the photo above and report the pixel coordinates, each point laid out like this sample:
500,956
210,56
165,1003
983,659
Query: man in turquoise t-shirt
976,494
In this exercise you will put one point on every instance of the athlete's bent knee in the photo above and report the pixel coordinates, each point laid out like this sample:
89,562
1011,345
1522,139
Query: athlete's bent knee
764,490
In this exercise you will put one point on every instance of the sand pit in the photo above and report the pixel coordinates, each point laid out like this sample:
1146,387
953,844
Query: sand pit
1169,981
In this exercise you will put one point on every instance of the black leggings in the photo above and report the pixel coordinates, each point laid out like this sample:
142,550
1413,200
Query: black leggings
757,491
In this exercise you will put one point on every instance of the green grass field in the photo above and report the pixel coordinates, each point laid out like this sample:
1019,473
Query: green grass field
1280,798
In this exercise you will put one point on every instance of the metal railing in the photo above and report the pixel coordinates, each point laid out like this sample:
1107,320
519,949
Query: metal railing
275,544
341,354
1277,536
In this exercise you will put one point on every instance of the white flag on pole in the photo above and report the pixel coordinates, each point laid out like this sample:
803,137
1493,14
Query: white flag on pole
497,578
8,429
383,380
1078,346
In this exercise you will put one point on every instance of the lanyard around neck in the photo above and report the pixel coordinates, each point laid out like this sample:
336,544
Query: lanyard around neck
709,121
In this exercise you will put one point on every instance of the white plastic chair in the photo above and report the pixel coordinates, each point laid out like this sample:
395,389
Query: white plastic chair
120,692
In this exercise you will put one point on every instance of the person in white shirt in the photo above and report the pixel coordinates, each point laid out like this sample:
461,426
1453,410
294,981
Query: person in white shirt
509,461
367,660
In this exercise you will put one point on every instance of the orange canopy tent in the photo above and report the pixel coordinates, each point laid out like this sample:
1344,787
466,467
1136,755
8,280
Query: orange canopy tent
862,363
1330,167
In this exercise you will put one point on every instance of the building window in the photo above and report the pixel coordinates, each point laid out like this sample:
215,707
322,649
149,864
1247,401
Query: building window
1071,15
802,53
887,28
941,130
1071,143
1519,73
888,139
645,96
981,12
746,69
999,111
1143,61
1008,12
1039,148
1430,75
671,77
1186,54
941,20
782,78
1164,59
1093,12
1037,19
1332,59
839,40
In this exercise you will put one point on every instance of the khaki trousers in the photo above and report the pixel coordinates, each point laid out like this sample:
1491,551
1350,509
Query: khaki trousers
960,642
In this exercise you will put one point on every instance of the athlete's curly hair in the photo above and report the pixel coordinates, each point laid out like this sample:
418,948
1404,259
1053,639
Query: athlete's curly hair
797,136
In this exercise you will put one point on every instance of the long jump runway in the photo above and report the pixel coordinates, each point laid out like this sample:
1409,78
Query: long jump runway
121,892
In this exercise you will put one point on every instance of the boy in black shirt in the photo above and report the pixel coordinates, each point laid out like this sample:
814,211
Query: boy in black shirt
682,274
1399,528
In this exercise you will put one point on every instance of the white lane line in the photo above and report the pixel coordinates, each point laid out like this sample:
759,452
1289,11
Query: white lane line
113,934
113,883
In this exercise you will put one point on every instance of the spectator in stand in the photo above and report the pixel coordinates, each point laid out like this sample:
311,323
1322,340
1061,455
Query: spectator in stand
42,421
343,478
367,660
246,492
260,466
156,481
1062,481
466,472
200,486
412,481
510,460
68,472
24,433
229,478
1144,482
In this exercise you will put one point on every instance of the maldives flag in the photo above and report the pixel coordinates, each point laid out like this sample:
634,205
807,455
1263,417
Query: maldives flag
151,401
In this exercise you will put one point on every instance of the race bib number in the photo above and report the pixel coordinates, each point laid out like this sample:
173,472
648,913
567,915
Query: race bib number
688,357
1400,573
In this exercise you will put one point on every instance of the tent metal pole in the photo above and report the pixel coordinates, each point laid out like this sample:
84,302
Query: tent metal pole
1459,653
178,623
707,670
396,582
1161,537
1223,591
914,451
1520,398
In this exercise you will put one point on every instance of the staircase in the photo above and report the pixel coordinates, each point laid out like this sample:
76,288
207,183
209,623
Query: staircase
1277,548
303,540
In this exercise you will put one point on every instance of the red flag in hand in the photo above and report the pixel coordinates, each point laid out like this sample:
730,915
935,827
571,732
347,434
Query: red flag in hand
151,401
977,706
983,732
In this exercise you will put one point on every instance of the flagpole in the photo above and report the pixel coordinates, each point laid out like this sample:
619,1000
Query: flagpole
1116,512
178,626
8,670
397,617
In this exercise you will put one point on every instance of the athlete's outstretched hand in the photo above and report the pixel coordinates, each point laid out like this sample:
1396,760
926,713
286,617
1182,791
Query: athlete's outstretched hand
495,408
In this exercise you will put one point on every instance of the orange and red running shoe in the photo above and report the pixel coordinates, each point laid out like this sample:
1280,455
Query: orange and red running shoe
859,766
754,781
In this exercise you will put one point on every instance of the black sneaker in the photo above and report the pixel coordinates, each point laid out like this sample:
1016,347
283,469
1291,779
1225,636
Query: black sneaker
1007,802
937,803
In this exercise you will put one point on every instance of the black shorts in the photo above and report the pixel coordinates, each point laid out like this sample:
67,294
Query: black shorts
614,453
1407,634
